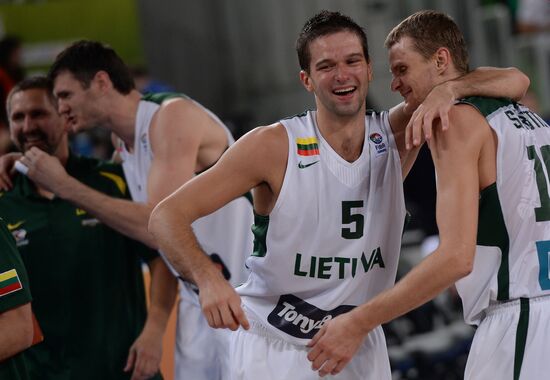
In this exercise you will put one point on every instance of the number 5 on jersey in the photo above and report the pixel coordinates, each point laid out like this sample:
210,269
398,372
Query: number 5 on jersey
354,218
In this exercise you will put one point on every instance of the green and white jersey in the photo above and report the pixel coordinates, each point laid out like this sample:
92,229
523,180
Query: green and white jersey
513,241
332,240
225,234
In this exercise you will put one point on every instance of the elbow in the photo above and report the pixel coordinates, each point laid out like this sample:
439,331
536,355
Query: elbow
463,261
162,218
155,219
523,82
460,259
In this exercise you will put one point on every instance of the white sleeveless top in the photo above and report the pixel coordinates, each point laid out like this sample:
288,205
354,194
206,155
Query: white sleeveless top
225,232
332,240
513,240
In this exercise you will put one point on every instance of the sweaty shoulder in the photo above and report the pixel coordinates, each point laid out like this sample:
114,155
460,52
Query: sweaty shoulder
467,127
177,121
268,141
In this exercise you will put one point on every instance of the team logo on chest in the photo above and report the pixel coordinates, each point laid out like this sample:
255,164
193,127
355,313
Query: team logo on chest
19,234
379,144
144,142
308,148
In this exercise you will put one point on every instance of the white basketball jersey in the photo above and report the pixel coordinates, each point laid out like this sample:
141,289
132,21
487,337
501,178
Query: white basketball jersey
513,241
225,232
333,237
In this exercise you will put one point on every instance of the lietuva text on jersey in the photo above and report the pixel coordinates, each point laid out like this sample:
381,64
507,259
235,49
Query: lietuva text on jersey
328,267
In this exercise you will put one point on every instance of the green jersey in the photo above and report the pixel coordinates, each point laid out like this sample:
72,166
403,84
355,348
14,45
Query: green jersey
14,292
86,278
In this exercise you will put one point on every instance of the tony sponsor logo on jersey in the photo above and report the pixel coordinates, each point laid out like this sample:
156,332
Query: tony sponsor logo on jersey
379,144
327,267
299,318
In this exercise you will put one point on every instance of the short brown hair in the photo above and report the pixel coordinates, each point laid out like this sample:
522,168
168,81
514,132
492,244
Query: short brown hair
431,30
32,83
322,24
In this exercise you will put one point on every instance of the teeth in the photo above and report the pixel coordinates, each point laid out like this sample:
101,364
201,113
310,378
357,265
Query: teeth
344,90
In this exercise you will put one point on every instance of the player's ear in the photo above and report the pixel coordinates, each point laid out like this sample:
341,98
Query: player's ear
442,59
102,79
306,80
369,71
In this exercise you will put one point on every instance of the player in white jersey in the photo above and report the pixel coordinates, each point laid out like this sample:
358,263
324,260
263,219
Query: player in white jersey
201,352
493,217
329,214
163,140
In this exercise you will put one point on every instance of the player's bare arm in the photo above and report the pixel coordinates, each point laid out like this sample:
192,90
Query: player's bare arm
124,216
410,131
257,160
16,330
145,353
483,81
456,154
176,133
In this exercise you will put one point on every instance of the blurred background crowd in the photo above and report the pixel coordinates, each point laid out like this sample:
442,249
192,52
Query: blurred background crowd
237,58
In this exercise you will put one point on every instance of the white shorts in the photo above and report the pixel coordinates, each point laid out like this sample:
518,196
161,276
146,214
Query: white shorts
258,354
512,342
201,351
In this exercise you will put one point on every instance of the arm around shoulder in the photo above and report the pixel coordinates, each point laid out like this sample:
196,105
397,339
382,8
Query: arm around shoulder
491,82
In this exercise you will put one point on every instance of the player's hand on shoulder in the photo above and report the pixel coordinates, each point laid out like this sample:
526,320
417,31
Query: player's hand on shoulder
7,169
333,347
435,106
221,305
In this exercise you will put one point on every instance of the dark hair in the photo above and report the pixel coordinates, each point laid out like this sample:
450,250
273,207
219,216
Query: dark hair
83,59
322,24
33,83
431,30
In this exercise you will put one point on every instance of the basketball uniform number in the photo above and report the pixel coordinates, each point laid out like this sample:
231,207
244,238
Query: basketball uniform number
542,213
543,251
351,217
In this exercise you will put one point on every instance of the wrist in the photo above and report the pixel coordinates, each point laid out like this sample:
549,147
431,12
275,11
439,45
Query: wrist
360,317
156,322
453,87
207,273
65,188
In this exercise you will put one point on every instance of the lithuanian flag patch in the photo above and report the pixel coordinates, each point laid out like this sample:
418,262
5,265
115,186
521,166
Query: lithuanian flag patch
308,146
9,282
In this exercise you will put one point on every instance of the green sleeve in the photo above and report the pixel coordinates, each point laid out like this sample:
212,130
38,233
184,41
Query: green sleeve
14,283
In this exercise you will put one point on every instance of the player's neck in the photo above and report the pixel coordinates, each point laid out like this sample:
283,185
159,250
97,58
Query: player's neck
344,134
122,118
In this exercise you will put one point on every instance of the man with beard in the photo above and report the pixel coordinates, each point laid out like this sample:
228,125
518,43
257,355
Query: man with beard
87,279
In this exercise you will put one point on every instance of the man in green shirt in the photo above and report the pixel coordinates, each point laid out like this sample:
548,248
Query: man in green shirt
15,309
86,278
